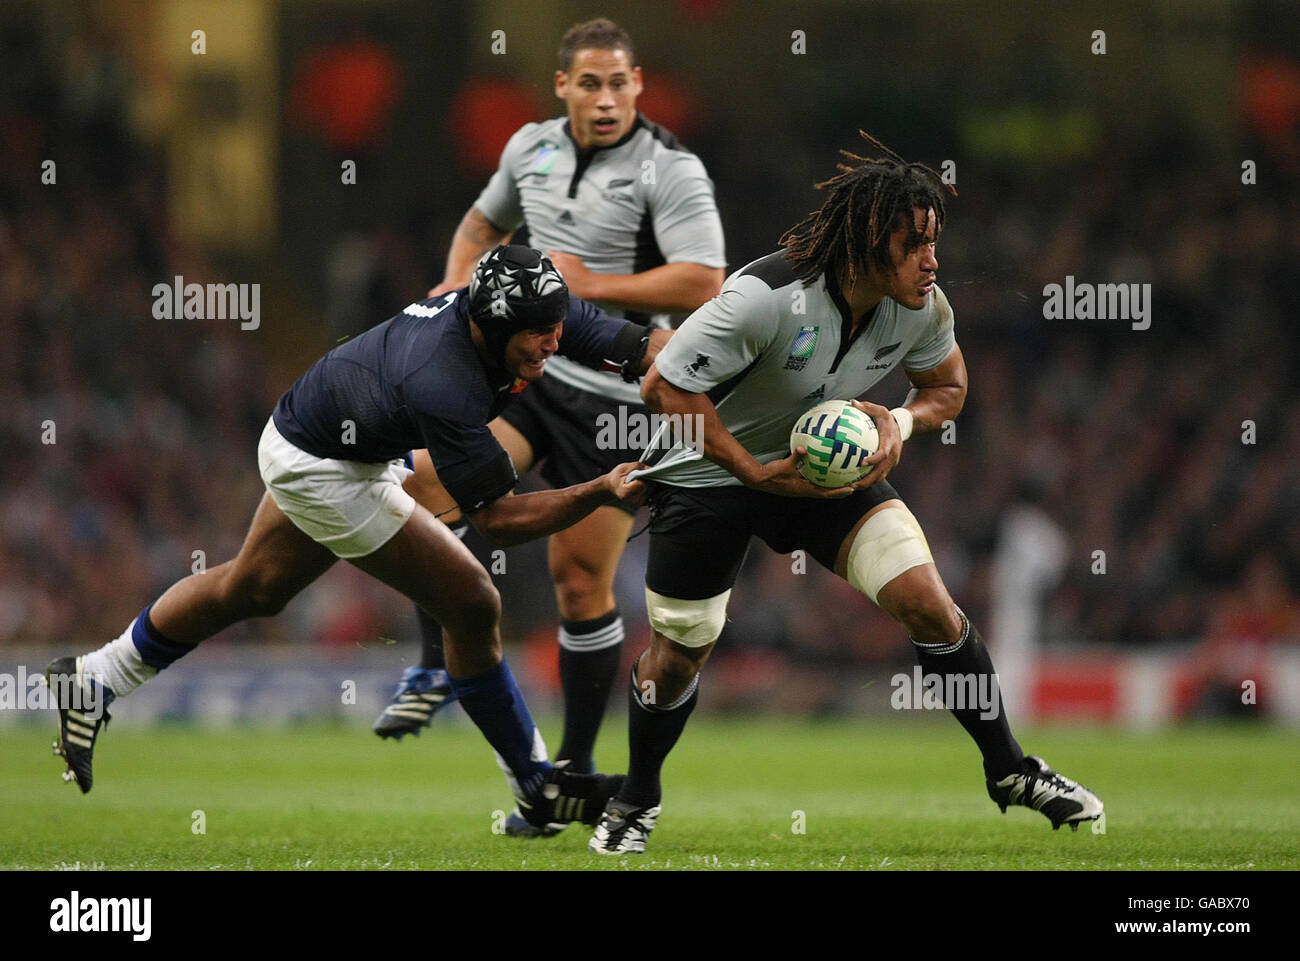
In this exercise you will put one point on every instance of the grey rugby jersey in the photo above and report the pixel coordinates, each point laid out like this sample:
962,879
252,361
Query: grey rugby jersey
766,349
641,202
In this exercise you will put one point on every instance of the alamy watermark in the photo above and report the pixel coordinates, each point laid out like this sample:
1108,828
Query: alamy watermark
181,301
944,692
75,914
31,692
637,430
1084,301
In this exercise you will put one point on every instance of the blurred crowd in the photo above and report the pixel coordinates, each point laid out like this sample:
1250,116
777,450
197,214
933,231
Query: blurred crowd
1162,458
125,438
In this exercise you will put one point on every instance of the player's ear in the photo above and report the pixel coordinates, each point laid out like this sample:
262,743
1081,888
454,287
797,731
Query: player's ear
636,79
561,83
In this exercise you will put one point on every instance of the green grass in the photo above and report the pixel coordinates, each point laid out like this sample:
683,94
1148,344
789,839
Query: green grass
895,795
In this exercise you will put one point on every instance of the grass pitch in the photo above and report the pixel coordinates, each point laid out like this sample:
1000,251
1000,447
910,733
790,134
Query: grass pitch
896,795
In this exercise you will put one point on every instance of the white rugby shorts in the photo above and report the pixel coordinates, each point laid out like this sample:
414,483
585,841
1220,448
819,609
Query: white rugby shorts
350,507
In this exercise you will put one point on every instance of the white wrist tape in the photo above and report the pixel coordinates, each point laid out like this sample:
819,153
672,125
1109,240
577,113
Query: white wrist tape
904,418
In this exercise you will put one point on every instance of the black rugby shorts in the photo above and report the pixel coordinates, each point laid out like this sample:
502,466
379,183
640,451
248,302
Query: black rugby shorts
699,535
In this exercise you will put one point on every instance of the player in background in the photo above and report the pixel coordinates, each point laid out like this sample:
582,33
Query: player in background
629,218
851,296
332,457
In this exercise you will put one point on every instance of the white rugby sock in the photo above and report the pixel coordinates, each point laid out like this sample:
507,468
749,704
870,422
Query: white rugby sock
117,664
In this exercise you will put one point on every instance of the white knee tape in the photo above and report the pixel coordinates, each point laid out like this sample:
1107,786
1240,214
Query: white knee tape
890,542
689,623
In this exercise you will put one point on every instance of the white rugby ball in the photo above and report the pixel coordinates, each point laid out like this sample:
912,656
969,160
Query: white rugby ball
839,437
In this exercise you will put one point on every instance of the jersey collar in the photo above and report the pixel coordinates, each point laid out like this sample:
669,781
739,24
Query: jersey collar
585,157
847,334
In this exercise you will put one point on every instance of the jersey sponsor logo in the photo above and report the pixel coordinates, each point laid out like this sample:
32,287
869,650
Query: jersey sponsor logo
518,386
701,361
818,394
805,343
564,218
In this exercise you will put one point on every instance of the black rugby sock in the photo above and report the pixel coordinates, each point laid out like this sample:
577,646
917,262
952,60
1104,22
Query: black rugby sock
590,652
651,733
986,724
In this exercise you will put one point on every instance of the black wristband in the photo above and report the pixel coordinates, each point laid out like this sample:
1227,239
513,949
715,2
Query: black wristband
632,367
628,350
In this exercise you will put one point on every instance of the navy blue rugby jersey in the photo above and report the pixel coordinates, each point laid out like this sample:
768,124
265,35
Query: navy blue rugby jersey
416,381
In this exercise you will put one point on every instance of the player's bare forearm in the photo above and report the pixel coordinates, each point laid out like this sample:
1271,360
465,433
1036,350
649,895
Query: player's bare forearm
474,237
931,406
520,518
719,444
656,343
938,394
670,289
516,519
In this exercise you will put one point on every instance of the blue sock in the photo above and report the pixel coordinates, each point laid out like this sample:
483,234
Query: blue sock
494,703
155,650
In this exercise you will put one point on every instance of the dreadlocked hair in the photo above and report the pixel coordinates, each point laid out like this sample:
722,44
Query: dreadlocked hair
865,202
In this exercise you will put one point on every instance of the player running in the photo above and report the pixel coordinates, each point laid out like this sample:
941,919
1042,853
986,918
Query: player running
332,457
635,217
857,279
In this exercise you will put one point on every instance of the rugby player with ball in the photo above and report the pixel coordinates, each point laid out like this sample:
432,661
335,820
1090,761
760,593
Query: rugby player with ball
850,296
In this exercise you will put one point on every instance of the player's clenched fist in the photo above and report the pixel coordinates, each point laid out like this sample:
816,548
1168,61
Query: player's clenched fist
890,450
783,477
631,492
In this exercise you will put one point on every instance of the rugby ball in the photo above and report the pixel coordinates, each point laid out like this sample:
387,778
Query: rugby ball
839,437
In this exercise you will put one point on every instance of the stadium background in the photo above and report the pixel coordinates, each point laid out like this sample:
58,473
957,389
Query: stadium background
1078,436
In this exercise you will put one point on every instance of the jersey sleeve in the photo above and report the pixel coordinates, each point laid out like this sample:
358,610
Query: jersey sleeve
499,201
722,338
937,339
595,339
684,213
471,464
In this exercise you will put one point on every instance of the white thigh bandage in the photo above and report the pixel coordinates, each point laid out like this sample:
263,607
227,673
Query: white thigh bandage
889,543
688,623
